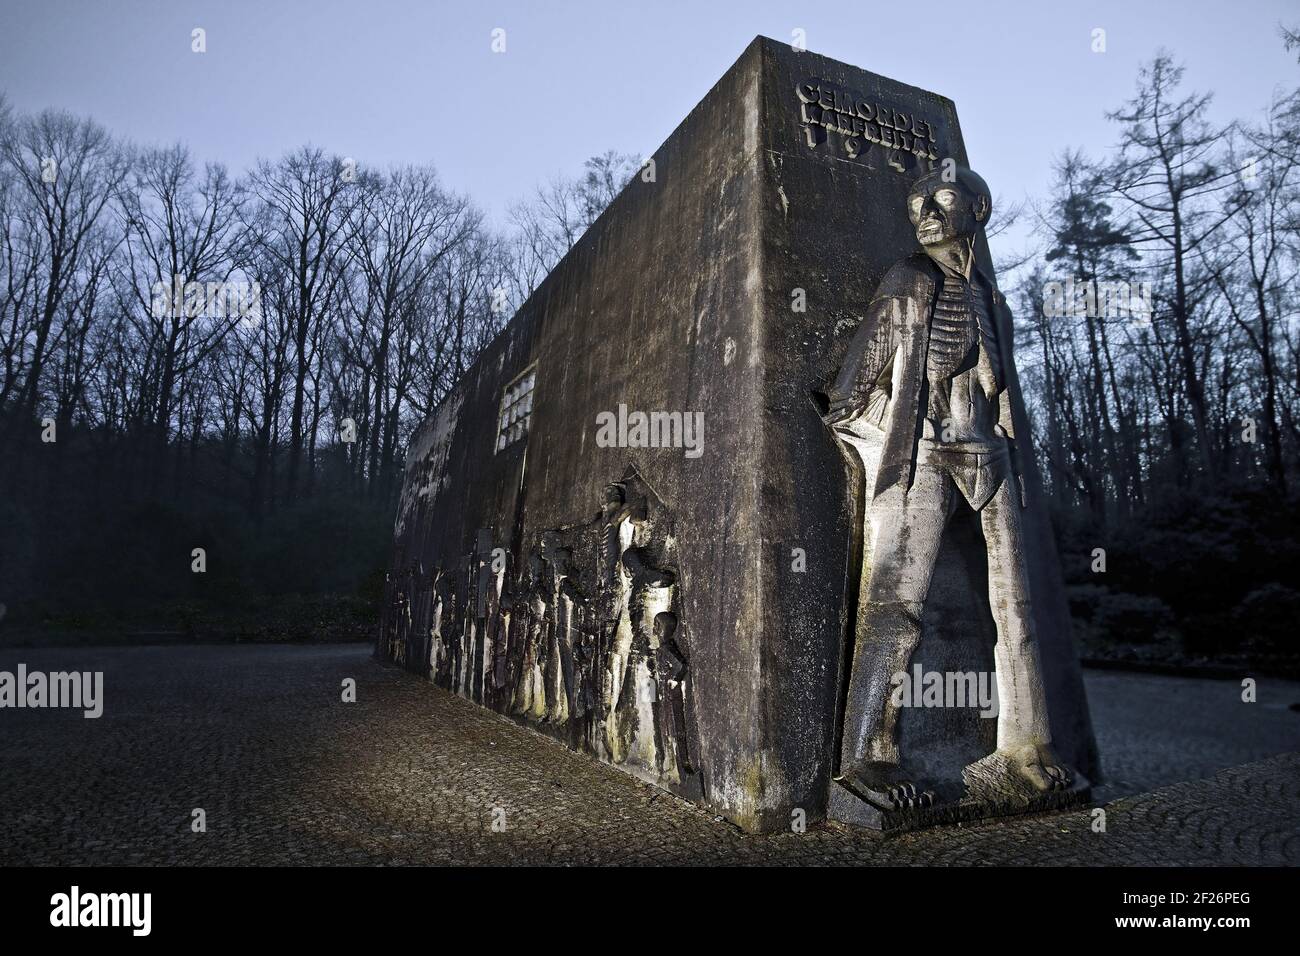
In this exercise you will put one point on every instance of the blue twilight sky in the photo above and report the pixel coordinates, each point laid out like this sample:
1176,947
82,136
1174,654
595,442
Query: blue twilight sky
389,81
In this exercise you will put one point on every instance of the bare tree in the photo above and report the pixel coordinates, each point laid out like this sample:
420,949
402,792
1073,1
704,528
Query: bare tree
1249,264
298,219
181,245
548,223
61,173
1165,172
401,228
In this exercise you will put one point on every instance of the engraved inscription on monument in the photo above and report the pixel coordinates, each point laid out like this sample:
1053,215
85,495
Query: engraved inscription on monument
903,137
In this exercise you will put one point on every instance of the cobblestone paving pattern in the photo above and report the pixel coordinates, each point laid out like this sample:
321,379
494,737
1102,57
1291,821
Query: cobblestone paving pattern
288,774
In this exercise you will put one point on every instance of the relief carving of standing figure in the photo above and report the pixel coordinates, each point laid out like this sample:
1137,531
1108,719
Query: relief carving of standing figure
925,384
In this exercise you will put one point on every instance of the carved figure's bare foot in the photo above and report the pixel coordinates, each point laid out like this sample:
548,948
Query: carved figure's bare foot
1038,764
886,785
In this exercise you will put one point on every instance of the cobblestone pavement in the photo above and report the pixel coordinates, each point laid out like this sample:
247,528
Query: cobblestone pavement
259,738
1154,730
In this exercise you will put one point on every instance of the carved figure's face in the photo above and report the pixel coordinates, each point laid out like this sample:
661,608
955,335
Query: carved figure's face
942,212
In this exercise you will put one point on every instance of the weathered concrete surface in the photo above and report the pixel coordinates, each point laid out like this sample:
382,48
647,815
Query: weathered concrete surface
655,308
834,222
288,774
679,298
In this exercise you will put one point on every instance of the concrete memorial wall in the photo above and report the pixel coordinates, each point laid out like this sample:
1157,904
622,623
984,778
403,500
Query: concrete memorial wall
642,523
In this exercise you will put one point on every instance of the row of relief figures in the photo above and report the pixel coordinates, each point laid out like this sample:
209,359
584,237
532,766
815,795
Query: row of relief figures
580,640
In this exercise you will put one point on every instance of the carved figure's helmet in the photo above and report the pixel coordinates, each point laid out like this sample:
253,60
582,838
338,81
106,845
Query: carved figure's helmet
948,205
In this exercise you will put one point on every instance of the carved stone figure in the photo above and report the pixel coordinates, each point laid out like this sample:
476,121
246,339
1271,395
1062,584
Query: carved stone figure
561,595
579,636
638,592
530,693
670,700
923,396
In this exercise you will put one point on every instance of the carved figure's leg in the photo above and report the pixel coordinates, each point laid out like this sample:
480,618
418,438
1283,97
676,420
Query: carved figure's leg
565,635
557,700
617,730
1024,733
907,536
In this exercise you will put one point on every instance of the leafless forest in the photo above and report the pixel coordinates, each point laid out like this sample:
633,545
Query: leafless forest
150,405
1166,422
